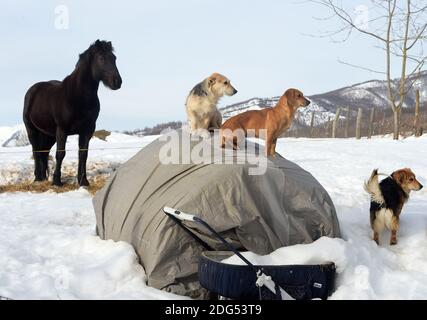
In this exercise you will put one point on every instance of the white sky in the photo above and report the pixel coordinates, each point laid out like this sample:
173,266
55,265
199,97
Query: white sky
165,47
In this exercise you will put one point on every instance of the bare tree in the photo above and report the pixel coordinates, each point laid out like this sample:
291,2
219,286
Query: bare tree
313,113
417,131
400,31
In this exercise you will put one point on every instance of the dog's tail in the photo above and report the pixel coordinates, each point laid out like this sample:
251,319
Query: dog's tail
372,186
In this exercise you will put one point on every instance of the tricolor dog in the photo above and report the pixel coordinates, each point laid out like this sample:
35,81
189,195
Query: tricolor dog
387,200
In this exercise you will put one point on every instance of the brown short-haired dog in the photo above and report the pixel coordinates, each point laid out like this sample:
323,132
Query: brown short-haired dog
274,120
387,200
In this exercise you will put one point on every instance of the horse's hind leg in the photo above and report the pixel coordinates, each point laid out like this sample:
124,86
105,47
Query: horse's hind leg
38,171
61,140
47,143
34,137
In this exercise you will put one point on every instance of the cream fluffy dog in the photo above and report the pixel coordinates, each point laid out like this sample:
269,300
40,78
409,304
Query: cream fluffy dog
202,102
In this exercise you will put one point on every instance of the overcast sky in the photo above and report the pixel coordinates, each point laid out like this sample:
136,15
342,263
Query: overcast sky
165,47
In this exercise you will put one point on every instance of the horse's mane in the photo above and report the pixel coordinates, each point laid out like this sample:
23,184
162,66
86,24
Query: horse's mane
97,47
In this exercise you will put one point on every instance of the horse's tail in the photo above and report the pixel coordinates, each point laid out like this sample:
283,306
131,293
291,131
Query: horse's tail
47,168
27,103
31,129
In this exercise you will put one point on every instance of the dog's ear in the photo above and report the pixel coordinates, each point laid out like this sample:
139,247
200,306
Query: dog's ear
211,80
399,176
288,93
291,96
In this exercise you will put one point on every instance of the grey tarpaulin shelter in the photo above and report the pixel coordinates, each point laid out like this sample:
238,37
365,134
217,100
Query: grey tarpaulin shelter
259,213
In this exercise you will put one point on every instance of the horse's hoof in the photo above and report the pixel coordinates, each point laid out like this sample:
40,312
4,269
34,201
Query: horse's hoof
84,183
57,183
40,180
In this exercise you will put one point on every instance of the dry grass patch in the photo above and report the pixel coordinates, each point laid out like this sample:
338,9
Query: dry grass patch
41,187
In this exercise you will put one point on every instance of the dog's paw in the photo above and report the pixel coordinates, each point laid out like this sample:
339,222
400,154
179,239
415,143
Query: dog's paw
393,242
205,134
376,238
186,128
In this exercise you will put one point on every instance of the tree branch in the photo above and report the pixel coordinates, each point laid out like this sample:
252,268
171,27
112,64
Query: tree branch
341,13
360,67
418,36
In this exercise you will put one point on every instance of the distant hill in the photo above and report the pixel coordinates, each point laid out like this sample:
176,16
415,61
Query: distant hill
151,131
13,136
365,95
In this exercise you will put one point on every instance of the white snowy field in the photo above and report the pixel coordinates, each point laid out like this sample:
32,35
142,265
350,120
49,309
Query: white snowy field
48,247
16,164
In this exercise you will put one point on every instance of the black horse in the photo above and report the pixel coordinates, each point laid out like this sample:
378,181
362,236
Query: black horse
54,110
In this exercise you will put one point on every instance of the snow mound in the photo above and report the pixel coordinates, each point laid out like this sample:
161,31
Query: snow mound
18,139
7,132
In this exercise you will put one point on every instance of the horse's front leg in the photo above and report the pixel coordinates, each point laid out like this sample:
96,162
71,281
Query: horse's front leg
61,140
83,154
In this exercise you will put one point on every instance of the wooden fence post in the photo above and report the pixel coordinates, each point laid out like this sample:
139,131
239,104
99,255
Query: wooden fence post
312,124
383,128
359,124
334,124
417,131
371,123
328,127
347,121
297,123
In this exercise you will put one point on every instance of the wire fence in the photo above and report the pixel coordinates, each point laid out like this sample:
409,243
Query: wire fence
380,124
70,150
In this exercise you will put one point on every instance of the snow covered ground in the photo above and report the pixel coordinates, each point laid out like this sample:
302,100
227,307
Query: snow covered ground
48,247
17,164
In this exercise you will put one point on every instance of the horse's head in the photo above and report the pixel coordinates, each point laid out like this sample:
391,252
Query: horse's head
104,64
